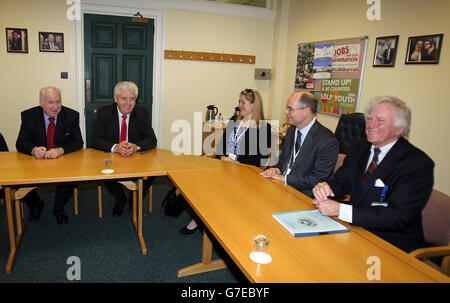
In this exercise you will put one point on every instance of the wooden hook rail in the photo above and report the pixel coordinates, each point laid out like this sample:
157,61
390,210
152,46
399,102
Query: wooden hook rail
212,57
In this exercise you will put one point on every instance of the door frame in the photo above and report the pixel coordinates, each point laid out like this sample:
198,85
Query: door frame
115,10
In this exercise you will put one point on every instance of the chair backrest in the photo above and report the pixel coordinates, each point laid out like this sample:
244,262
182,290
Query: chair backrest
350,128
436,219
339,162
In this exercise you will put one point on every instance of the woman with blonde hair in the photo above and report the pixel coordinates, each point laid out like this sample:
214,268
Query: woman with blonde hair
245,140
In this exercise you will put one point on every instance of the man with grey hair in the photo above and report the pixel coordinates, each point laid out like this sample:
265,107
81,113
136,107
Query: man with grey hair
310,150
124,128
388,178
49,131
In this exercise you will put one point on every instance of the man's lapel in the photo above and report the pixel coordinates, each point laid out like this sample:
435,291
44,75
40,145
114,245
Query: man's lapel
115,123
386,166
307,145
132,126
41,128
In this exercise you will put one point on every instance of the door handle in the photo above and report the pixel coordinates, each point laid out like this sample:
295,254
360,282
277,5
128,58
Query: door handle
87,90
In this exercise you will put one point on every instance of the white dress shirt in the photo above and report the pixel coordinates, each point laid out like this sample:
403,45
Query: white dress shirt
120,125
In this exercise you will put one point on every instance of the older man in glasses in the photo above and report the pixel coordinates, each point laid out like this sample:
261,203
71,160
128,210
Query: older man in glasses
310,150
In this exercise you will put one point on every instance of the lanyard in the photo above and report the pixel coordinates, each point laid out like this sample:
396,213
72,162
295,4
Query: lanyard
292,160
236,137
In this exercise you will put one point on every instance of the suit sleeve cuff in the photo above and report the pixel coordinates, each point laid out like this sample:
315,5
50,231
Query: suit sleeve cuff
346,212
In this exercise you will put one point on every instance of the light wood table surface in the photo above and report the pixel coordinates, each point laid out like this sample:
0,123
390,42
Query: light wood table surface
236,204
17,169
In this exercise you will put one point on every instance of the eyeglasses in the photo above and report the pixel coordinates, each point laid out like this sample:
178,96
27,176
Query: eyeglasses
290,109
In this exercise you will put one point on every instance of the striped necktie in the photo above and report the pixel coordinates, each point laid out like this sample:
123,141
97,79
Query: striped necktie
373,164
297,145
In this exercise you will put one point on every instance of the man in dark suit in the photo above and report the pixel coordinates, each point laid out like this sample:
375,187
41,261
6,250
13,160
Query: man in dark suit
388,178
3,148
3,145
47,132
125,128
310,150
388,55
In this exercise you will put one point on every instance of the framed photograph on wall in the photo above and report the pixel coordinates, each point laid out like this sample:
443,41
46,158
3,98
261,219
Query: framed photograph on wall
51,42
16,40
424,49
385,51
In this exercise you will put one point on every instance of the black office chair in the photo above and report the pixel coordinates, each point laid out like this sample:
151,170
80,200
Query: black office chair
350,128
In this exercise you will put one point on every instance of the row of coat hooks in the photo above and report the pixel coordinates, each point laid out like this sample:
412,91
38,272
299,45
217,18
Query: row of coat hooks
206,56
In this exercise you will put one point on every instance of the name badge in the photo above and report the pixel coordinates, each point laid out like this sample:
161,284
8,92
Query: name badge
232,156
288,171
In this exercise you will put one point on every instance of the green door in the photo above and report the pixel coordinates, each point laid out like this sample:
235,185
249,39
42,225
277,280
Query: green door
115,49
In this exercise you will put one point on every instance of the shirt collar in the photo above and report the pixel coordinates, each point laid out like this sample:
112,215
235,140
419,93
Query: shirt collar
384,149
120,114
306,129
47,116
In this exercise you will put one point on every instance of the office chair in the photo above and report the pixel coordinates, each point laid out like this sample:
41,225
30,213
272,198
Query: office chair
133,187
17,194
350,128
436,229
339,162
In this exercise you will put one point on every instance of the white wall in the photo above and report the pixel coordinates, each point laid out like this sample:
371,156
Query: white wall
189,86
22,75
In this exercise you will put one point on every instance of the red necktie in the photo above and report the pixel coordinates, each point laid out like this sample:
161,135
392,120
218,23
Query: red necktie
373,164
50,133
123,131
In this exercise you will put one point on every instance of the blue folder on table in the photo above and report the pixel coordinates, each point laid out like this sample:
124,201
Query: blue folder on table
309,223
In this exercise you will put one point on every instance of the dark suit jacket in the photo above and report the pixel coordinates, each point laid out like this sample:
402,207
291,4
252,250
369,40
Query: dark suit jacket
408,173
32,130
316,160
3,145
106,128
390,52
254,147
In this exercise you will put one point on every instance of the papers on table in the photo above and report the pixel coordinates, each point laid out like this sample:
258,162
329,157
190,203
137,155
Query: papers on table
309,223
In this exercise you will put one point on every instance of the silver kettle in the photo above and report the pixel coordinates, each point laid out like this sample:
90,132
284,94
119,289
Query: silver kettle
211,112
235,114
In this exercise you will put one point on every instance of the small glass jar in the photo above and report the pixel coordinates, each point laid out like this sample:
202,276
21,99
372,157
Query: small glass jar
107,166
260,253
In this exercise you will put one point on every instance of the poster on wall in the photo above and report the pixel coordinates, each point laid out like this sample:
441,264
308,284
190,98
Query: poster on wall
304,70
338,96
323,55
346,58
337,70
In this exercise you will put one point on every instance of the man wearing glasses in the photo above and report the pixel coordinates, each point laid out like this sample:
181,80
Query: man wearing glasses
310,150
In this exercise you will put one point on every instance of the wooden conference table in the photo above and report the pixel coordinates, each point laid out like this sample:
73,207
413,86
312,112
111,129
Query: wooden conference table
20,170
236,204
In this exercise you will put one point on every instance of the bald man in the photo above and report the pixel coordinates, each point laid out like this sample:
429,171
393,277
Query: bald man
35,139
310,150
